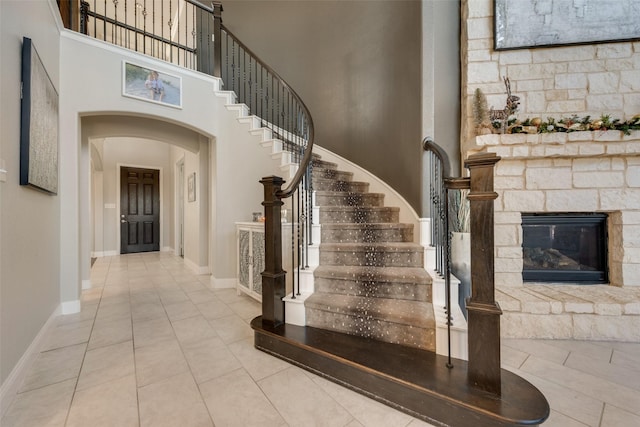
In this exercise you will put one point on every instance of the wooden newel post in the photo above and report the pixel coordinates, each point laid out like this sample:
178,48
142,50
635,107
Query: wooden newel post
484,311
217,38
273,276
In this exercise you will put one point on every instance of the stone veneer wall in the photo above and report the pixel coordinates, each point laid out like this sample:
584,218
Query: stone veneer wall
551,82
567,172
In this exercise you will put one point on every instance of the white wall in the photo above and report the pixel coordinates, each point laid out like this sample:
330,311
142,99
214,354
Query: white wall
239,160
29,233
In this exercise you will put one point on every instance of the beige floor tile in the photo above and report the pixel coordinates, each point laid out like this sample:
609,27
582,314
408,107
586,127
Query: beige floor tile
581,382
605,370
231,328
626,360
110,332
173,296
247,308
592,349
556,419
565,400
54,366
540,348
175,401
158,361
193,286
210,358
367,411
193,329
616,417
107,313
214,309
106,364
257,363
147,311
152,331
235,400
181,310
312,405
419,423
43,407
68,334
106,405
229,295
199,297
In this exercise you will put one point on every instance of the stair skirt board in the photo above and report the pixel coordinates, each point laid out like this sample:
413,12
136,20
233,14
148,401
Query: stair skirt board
411,380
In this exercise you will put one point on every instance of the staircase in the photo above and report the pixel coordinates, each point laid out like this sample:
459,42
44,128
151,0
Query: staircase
371,280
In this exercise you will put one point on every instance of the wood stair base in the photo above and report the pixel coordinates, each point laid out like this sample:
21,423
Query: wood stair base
411,380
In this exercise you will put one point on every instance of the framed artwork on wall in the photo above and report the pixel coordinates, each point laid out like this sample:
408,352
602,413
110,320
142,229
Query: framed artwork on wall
191,187
38,124
547,23
151,85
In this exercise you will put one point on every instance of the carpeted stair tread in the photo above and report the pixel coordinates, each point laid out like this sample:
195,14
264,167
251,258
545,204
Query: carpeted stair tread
358,214
323,164
374,282
405,312
332,174
416,275
367,232
343,198
327,184
380,254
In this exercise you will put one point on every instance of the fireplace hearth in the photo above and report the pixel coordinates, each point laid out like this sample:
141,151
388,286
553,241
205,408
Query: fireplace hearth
565,248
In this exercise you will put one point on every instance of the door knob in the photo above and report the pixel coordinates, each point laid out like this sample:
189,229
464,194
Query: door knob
123,221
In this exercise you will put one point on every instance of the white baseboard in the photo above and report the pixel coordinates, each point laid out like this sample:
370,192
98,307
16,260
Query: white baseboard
11,385
86,284
102,254
166,249
223,283
70,307
199,270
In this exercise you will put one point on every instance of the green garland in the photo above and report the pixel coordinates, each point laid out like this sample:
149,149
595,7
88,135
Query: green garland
570,124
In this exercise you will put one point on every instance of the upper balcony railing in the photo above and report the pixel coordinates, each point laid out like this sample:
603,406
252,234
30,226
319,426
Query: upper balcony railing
176,31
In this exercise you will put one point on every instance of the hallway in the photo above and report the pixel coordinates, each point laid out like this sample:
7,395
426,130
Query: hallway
155,346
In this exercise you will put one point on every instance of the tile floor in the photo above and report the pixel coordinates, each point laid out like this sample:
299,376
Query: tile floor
154,346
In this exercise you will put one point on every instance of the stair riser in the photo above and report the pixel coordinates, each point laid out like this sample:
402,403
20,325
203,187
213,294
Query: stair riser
334,235
350,199
357,216
333,185
373,289
372,257
372,328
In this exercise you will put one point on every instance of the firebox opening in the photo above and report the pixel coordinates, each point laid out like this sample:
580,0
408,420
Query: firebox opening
565,248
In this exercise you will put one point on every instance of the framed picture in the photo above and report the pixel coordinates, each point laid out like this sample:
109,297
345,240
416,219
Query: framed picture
527,24
38,124
191,187
151,85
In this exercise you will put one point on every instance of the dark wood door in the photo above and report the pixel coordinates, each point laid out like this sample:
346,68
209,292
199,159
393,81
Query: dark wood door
139,210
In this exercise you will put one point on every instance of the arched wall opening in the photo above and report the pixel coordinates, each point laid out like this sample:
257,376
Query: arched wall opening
112,141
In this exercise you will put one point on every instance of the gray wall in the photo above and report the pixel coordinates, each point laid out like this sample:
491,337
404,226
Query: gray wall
29,230
357,66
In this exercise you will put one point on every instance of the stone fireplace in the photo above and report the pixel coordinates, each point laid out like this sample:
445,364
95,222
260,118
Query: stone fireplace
582,173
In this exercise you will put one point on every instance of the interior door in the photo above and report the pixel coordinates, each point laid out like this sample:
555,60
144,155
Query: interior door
139,210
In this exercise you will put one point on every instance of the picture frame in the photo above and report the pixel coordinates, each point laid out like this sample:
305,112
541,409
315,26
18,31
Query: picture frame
39,123
524,25
151,85
191,187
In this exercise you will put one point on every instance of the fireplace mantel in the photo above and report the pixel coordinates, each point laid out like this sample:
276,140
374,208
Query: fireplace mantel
611,143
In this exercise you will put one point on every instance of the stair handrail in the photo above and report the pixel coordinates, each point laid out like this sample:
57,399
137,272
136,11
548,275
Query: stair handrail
439,185
305,160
